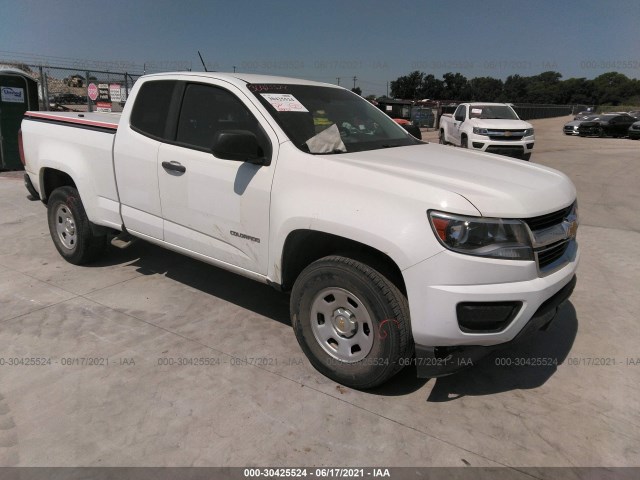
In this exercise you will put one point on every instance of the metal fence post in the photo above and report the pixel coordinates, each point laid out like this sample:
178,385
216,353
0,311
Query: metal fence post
46,91
126,87
89,106
45,100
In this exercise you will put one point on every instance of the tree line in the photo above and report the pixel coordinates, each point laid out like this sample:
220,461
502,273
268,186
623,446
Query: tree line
610,88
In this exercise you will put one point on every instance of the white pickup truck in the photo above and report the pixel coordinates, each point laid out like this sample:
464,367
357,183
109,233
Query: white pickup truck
396,252
488,127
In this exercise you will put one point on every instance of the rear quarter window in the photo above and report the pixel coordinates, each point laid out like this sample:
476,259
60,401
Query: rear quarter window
150,112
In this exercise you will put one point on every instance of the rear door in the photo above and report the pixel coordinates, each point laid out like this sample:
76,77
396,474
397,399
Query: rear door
461,112
136,156
211,206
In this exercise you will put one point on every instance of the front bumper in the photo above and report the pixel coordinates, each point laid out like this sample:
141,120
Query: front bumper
511,148
440,361
438,285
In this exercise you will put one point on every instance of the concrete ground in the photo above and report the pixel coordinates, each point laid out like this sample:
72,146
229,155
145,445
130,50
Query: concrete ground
141,309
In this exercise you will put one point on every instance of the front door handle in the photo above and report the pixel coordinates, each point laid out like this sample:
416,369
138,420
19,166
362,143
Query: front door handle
175,166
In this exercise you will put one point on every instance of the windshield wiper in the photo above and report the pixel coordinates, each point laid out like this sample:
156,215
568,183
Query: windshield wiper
333,152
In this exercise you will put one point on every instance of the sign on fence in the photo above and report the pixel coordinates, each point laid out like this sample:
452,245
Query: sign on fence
103,107
92,91
114,92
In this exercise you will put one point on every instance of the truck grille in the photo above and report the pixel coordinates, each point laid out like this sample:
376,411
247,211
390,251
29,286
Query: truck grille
550,254
548,220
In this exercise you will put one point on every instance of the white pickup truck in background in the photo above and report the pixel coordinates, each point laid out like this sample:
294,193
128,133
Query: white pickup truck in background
488,127
396,252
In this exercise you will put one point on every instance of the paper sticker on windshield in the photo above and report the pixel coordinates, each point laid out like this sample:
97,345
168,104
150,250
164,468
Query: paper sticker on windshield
284,102
476,110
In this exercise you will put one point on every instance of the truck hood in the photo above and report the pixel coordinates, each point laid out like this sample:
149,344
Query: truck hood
500,124
497,186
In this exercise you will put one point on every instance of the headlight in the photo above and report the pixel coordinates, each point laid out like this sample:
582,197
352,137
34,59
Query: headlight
480,131
528,132
484,237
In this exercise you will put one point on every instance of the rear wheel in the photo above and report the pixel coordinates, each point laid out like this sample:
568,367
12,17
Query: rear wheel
70,228
351,322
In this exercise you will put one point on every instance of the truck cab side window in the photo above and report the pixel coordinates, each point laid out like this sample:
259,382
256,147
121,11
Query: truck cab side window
151,109
207,110
460,113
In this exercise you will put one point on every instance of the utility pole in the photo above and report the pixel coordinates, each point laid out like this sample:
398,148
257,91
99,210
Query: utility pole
338,78
354,81
234,69
387,89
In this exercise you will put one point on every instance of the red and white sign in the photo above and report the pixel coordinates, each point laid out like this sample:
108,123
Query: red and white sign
103,107
114,92
92,91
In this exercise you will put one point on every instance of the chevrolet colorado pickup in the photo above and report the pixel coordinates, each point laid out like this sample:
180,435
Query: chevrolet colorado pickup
488,127
395,251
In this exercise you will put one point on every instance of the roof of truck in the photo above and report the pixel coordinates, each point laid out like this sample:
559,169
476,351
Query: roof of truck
242,79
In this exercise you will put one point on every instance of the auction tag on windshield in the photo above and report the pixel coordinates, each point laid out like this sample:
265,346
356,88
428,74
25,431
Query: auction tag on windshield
284,102
476,110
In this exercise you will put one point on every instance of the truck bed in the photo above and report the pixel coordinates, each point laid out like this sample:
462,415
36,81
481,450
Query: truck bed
80,144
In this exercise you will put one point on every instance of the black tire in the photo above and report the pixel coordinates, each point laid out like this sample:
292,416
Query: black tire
526,157
441,139
381,317
70,228
464,142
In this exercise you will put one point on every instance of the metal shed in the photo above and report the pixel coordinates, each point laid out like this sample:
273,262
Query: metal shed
18,93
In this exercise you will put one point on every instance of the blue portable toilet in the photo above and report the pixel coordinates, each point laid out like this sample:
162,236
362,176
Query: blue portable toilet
18,93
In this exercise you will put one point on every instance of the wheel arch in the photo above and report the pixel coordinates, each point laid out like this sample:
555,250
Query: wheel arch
52,178
303,247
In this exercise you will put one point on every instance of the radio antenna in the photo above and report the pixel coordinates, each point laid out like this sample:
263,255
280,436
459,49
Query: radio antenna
205,67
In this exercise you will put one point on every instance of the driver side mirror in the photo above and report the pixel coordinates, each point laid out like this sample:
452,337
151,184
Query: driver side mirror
238,145
459,118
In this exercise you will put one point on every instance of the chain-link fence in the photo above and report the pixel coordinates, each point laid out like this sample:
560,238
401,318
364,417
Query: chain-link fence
70,89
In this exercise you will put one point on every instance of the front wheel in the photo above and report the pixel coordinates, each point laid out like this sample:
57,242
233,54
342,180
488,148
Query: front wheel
351,322
464,142
70,228
441,138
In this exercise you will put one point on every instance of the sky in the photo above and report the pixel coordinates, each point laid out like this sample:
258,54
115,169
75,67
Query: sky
375,41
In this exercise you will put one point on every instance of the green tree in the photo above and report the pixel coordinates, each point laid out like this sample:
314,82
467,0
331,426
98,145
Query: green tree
544,88
431,87
455,86
407,86
614,88
514,89
485,89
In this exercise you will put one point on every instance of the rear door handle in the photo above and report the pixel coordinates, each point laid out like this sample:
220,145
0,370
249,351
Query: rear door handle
175,166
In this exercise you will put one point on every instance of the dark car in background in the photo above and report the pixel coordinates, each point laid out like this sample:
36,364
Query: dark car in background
611,125
634,131
571,128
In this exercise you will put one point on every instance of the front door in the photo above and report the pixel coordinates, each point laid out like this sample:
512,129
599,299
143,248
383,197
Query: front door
211,206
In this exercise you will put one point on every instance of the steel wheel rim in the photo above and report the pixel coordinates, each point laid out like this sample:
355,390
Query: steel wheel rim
66,227
341,325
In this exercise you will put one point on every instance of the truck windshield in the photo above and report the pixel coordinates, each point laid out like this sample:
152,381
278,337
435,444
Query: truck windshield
503,112
326,120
